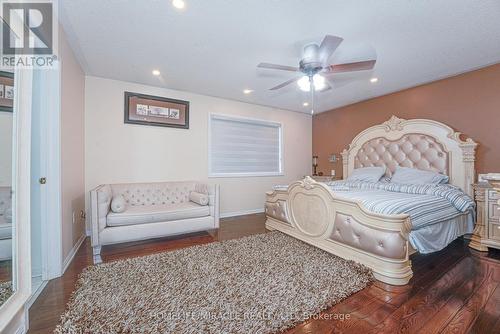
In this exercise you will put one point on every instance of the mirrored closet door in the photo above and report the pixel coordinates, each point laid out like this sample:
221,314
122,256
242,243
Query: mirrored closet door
15,144
6,183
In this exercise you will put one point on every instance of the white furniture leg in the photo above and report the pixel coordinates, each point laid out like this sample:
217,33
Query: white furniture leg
96,252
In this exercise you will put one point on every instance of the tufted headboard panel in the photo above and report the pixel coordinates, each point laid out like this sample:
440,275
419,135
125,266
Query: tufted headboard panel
417,143
411,150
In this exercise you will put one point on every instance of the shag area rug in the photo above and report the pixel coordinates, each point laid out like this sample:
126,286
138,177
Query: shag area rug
258,284
5,291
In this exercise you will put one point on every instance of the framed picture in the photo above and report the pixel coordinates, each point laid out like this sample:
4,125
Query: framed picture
157,111
6,91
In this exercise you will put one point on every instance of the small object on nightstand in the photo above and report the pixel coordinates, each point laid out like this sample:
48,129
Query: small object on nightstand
315,165
487,230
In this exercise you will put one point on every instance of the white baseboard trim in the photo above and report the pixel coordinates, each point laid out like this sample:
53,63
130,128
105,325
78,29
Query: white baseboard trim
241,213
39,288
21,330
71,254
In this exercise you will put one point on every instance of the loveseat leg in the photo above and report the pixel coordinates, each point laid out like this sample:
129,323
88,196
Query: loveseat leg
96,252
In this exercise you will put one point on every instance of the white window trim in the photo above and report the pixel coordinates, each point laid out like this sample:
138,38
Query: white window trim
279,125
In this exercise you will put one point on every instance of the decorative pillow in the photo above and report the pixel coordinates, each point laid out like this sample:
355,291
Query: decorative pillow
118,204
367,174
417,176
198,198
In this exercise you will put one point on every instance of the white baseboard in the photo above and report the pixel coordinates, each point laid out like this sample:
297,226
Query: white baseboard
241,213
21,329
37,290
71,254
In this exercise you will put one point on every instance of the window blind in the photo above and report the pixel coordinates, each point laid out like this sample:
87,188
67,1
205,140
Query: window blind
243,147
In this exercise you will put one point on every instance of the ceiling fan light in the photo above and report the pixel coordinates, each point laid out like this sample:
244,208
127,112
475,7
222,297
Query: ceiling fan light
304,84
319,82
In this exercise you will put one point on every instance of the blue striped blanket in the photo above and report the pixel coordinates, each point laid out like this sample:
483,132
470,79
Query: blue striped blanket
426,204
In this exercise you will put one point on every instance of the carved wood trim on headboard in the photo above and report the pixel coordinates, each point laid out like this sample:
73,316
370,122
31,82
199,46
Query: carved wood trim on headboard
461,153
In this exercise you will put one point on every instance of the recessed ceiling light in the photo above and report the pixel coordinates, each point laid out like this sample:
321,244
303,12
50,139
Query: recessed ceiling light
305,104
156,73
179,4
373,80
247,91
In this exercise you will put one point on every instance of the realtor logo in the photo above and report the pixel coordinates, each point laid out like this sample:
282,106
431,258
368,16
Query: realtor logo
29,33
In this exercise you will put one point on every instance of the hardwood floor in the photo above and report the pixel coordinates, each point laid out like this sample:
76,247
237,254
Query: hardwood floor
5,271
455,290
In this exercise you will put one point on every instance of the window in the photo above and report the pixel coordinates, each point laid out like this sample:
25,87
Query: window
244,147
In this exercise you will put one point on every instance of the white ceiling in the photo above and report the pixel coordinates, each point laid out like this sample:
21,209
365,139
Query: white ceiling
212,47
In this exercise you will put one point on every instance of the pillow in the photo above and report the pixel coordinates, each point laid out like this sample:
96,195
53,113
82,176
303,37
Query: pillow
198,198
367,174
118,204
417,176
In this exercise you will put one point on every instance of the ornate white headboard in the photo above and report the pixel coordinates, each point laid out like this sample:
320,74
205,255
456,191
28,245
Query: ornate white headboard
418,143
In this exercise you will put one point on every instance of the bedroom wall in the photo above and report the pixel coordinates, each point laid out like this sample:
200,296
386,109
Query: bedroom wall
72,146
118,152
469,103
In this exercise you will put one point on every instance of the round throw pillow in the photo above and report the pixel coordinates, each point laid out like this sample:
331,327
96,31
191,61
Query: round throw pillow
118,204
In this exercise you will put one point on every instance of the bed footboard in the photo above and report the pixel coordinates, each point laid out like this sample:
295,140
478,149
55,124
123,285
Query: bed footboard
310,211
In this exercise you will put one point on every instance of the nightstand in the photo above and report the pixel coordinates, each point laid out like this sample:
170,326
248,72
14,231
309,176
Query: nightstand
487,230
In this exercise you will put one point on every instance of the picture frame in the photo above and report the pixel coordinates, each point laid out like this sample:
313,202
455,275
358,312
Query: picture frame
151,110
6,91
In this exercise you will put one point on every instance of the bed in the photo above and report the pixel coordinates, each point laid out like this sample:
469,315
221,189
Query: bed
380,224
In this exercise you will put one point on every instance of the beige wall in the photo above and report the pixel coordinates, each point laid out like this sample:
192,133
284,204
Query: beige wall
118,152
469,103
72,146
6,120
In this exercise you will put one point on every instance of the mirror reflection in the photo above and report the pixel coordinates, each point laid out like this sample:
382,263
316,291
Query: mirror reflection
6,125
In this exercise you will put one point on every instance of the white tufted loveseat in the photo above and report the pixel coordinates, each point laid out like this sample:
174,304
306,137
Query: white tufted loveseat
5,223
152,210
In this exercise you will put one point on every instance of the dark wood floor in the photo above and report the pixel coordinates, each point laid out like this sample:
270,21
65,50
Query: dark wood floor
455,290
5,271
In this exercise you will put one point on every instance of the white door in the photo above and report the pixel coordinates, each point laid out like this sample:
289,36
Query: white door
45,178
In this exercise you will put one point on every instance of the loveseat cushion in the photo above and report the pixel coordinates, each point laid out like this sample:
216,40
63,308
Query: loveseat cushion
145,214
5,231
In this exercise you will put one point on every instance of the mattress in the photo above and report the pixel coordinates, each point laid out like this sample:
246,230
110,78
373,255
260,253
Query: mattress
439,213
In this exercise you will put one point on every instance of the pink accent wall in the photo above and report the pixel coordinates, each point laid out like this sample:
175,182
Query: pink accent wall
469,103
72,146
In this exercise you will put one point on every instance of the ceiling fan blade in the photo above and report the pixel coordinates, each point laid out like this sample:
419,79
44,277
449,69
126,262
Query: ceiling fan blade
328,46
327,87
337,83
286,83
278,67
351,67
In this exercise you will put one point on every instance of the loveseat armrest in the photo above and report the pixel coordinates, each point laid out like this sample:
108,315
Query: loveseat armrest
100,199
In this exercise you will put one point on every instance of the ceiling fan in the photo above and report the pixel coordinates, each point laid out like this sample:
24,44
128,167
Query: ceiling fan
314,67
